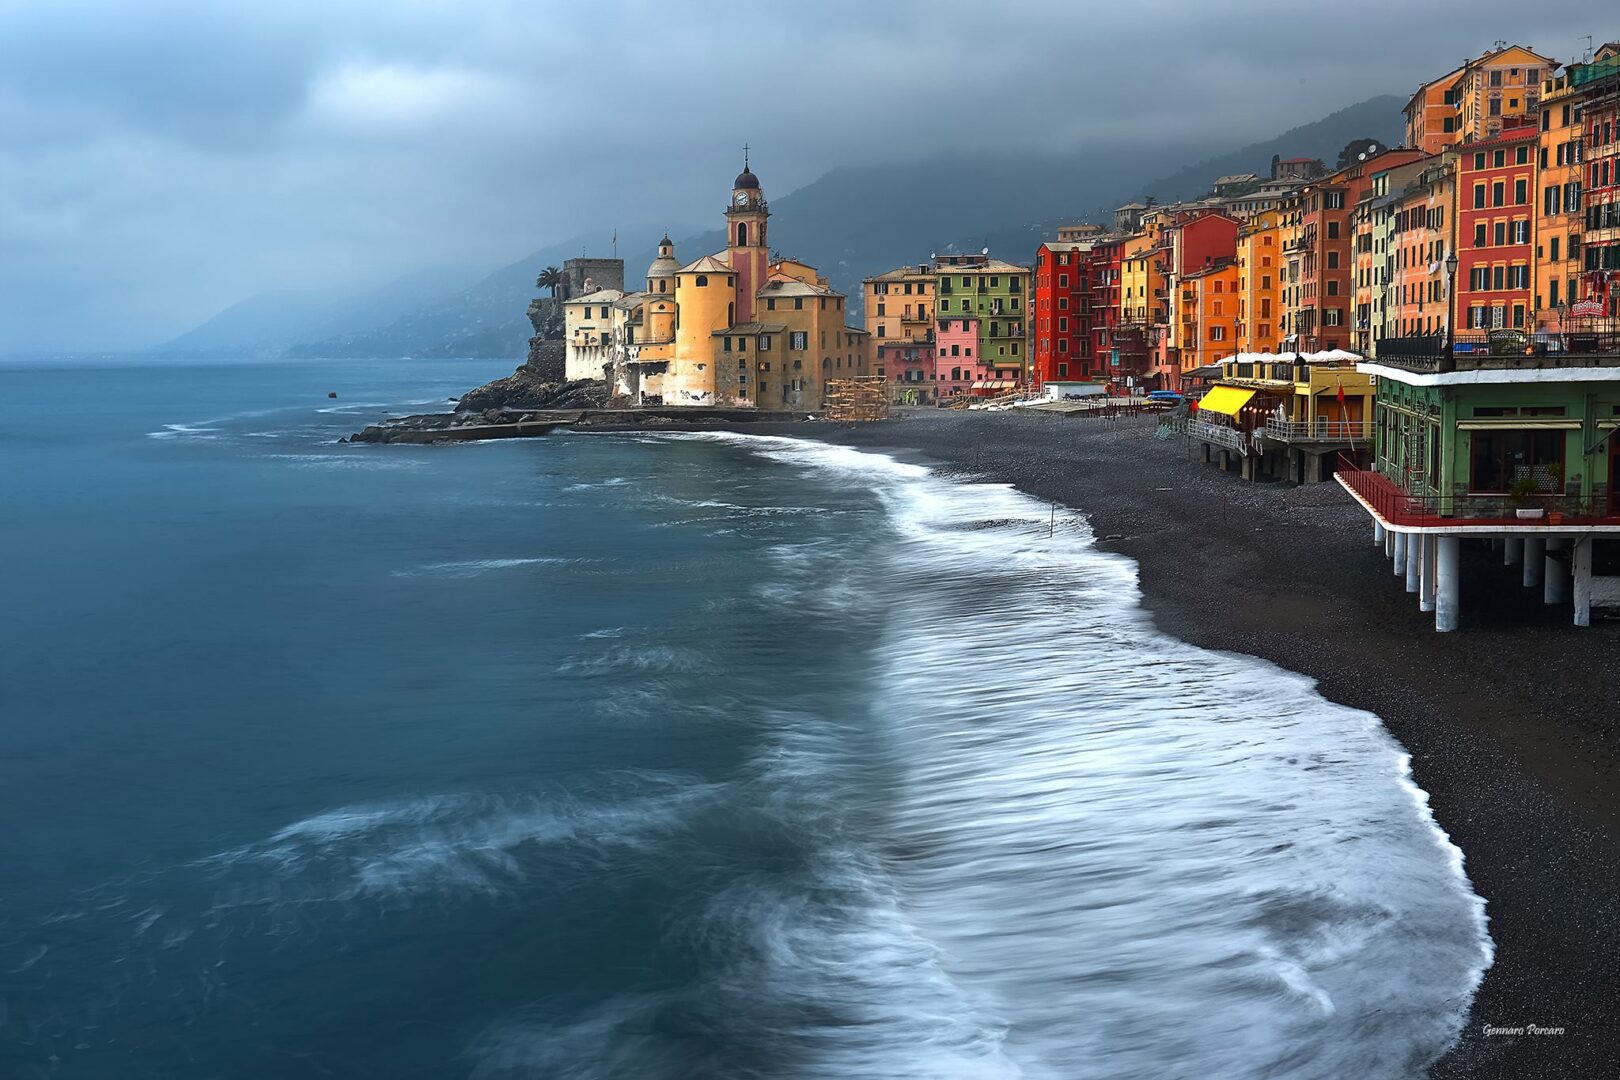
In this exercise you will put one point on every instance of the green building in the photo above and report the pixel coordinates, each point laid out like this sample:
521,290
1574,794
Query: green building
995,293
1511,445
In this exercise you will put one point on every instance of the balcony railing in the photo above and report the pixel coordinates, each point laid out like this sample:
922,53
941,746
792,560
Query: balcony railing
1400,507
1203,430
1335,431
1504,349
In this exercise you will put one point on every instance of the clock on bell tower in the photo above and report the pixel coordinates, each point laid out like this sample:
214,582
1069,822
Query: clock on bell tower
746,221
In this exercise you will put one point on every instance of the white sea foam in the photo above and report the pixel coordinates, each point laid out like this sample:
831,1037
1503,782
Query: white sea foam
453,845
462,568
1126,856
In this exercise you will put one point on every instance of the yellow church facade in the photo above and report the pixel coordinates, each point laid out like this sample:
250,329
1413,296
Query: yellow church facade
737,328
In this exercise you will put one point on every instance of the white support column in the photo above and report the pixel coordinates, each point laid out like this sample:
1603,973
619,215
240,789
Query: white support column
1378,532
1535,553
1426,547
1399,565
1512,550
1581,570
1555,586
1389,543
1447,582
1414,549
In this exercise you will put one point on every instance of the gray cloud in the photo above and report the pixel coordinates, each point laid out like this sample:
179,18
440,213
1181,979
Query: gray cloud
161,160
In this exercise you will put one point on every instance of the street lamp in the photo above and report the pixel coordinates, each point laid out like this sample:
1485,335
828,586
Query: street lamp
1448,361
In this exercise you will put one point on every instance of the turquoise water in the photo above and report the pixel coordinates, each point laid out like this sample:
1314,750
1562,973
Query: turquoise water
671,756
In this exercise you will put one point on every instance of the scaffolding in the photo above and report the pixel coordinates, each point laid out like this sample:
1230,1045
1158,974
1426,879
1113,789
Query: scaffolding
864,397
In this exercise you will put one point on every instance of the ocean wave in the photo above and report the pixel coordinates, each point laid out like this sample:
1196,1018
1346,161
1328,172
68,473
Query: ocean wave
1219,871
463,568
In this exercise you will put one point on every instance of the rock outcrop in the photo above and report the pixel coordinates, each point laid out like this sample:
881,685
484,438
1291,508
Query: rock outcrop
530,388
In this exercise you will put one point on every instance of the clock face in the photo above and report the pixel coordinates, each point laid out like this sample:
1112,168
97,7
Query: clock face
742,198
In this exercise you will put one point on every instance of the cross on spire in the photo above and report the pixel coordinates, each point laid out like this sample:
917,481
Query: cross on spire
745,157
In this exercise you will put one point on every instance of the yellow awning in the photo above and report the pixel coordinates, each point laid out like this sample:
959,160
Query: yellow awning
1226,400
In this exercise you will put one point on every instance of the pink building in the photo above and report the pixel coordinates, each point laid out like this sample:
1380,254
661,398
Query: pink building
955,360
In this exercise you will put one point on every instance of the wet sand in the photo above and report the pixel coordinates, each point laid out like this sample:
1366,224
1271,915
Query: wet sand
1510,722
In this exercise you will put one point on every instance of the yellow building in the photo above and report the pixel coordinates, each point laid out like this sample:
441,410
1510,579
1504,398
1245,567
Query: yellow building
588,333
1558,209
900,305
1259,285
733,328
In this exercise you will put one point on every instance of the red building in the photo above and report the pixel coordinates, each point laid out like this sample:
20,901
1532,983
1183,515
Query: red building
1496,183
1102,266
1061,322
1191,242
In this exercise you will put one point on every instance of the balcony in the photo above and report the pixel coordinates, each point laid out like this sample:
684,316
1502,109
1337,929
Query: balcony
1465,510
1504,350
1323,431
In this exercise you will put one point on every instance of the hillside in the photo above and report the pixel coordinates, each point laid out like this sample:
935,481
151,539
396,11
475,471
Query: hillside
854,222
269,322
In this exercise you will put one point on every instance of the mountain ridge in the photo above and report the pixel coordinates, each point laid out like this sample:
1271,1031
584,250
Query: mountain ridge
855,221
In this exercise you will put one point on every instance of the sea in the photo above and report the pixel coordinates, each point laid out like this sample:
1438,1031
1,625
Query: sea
650,756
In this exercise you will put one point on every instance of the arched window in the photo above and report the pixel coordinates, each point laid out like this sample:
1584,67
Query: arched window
661,286
826,363
742,234
702,281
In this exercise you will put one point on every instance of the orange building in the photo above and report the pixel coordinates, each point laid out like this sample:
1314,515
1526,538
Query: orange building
1259,284
1422,234
1473,101
1207,314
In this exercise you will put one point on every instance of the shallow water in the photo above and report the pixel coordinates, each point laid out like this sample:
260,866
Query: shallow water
675,756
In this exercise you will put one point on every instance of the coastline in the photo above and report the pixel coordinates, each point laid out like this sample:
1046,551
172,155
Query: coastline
1503,721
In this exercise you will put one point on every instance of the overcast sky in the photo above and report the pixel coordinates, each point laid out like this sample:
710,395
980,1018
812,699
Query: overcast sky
161,159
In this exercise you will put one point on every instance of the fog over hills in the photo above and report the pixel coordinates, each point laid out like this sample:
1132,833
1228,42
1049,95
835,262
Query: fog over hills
851,222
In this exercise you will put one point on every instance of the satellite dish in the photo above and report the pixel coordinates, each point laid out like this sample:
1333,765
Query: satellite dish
984,251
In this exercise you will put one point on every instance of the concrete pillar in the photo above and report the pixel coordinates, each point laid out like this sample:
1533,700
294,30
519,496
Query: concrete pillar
1555,572
1378,532
1580,568
1447,582
1246,469
1296,466
1426,572
1389,543
1414,548
1535,553
1226,460
1205,447
1398,561
1512,550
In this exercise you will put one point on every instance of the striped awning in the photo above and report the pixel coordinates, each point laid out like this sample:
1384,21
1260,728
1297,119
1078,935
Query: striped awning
1226,400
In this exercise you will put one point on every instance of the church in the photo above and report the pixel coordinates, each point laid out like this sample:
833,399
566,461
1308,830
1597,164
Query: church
737,328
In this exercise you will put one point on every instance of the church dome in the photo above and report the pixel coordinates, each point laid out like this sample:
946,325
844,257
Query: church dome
746,181
666,264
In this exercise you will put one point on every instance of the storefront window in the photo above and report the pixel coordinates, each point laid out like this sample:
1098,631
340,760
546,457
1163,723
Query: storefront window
1506,462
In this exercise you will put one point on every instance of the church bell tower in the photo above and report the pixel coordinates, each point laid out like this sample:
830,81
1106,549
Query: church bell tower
747,245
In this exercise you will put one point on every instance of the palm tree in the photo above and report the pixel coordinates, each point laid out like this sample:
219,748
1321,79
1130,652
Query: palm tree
550,278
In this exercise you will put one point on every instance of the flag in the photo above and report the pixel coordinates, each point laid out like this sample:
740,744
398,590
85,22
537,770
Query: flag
1341,395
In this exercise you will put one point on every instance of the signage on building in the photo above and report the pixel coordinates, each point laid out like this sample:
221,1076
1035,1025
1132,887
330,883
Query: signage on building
1586,308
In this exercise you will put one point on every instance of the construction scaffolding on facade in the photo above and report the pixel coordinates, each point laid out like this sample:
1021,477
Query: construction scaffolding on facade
864,397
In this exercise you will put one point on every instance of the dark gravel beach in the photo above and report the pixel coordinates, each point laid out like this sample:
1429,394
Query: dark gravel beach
1510,722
